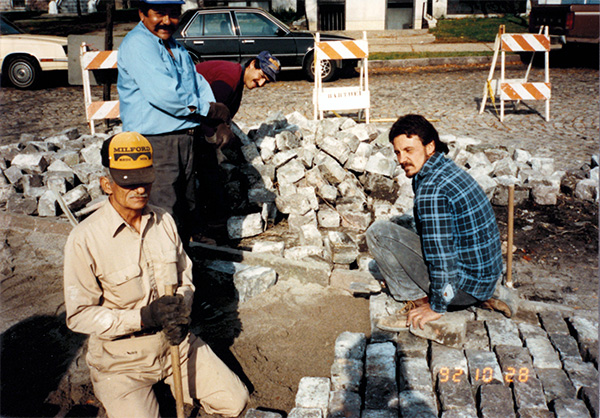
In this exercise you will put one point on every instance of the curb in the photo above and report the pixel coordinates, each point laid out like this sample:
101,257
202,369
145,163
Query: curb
439,61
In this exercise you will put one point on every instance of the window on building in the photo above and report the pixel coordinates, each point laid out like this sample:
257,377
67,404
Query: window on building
467,7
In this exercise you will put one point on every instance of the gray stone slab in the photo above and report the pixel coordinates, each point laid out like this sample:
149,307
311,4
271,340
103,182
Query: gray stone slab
477,336
414,374
590,397
256,413
347,374
589,352
313,392
417,404
299,412
534,413
344,404
245,226
556,384
253,281
543,353
581,373
409,345
495,401
528,392
503,332
483,368
554,322
350,345
381,366
514,362
570,408
485,315
529,331
586,330
448,361
454,392
456,413
381,393
566,345
379,413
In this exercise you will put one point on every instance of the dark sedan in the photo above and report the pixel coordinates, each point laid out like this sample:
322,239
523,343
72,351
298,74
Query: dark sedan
240,33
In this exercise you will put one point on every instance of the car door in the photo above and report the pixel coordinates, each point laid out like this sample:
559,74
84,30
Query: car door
211,36
259,33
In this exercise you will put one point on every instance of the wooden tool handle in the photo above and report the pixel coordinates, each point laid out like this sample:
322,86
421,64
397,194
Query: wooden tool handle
176,365
509,243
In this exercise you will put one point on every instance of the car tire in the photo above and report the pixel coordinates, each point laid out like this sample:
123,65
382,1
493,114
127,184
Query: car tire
24,72
328,66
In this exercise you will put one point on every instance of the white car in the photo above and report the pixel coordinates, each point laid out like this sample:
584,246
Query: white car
23,57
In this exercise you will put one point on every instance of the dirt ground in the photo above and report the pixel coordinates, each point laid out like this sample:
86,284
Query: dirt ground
288,332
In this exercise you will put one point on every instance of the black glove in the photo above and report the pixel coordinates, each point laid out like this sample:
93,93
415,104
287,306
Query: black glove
223,135
219,112
163,310
176,330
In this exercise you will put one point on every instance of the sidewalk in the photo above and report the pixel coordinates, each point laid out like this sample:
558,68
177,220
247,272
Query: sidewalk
420,40
412,40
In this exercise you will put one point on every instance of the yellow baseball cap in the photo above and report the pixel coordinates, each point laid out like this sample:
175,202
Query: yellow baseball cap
128,155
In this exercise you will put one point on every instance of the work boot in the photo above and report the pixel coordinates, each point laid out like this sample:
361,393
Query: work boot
393,323
496,305
412,304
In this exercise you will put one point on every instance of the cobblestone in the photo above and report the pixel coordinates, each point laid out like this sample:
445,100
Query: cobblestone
447,95
537,375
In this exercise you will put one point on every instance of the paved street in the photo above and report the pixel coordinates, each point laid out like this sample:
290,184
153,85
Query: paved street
450,97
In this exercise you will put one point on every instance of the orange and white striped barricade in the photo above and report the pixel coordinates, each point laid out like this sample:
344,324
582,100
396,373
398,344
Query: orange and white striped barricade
341,98
91,61
519,89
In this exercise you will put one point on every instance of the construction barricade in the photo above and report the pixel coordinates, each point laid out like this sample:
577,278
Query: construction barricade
341,98
519,89
94,61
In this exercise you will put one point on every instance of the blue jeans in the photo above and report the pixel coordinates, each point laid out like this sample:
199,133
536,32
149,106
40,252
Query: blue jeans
399,256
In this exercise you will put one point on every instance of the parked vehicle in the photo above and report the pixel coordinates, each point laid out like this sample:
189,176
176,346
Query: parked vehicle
568,21
24,57
240,33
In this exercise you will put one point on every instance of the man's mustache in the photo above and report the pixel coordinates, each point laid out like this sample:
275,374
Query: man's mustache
166,27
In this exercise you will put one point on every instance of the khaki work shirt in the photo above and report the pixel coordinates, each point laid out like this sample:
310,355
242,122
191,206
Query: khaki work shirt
111,271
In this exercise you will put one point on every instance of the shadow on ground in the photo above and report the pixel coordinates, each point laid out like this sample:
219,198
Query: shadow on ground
35,354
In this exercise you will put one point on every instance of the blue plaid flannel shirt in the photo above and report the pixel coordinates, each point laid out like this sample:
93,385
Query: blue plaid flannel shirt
459,234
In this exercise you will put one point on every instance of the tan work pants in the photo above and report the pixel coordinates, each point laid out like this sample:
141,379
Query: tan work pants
123,372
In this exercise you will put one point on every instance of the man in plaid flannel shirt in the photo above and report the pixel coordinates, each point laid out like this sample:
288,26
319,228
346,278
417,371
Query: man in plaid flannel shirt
455,260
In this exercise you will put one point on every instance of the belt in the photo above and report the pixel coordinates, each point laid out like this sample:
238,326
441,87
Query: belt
189,132
137,334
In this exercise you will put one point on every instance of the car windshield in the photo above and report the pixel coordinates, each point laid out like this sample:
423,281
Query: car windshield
7,28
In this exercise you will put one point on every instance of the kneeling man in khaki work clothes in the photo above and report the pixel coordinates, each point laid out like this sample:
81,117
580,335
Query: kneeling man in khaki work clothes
117,264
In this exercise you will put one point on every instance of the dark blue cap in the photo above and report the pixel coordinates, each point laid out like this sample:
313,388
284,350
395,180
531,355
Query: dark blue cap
269,64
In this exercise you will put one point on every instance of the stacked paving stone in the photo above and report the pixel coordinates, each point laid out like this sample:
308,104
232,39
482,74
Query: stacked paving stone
321,175
541,364
36,170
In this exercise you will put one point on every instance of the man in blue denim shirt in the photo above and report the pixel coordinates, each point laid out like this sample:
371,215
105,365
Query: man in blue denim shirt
456,259
163,98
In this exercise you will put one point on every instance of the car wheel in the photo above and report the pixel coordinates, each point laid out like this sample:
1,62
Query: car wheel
328,68
24,72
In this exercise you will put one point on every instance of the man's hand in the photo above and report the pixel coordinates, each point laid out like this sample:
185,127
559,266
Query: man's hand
177,329
219,111
223,135
422,315
163,310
